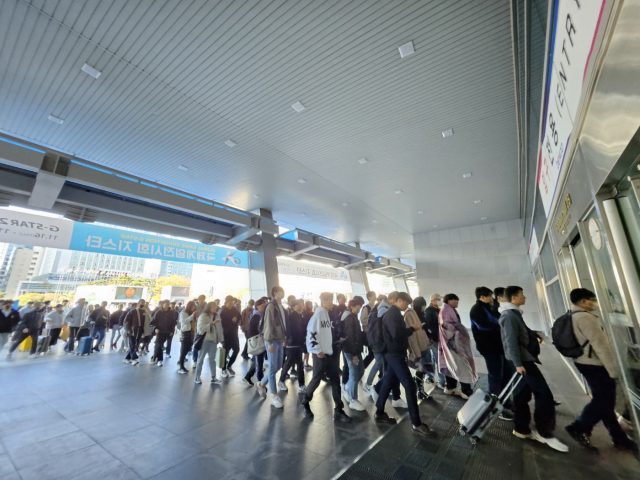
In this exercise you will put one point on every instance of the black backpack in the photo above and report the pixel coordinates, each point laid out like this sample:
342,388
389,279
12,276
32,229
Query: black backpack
564,339
374,334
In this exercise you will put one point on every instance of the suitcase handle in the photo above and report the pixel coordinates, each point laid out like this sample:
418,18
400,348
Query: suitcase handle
510,387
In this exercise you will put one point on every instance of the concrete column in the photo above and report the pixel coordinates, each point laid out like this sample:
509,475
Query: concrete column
359,280
263,264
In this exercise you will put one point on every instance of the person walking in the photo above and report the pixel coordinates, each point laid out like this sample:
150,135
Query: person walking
133,323
209,325
516,340
114,326
320,342
352,348
29,326
364,322
485,326
54,321
231,318
187,322
307,313
396,343
274,331
9,318
419,351
124,345
244,326
145,333
598,367
295,333
455,354
74,319
163,324
257,361
98,319
432,329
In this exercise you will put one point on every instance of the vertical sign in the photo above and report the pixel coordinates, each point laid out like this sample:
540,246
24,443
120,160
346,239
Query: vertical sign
572,37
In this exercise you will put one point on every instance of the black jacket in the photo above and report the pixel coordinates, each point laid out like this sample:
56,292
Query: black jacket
254,324
114,318
295,331
306,316
431,325
8,322
395,331
164,321
32,321
486,330
123,316
131,323
353,343
229,327
99,317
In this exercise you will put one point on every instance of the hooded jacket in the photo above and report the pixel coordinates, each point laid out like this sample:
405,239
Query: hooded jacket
431,323
319,333
395,331
273,325
133,321
295,331
213,332
515,335
8,320
32,321
75,317
54,319
353,336
164,321
418,341
587,328
383,306
227,315
254,323
486,329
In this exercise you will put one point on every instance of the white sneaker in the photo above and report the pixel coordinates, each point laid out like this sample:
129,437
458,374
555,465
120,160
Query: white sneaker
525,436
126,361
282,387
9,356
345,395
135,362
276,402
356,405
458,393
159,363
225,374
367,388
429,387
553,442
449,391
216,380
374,394
302,389
400,403
262,391
198,381
33,355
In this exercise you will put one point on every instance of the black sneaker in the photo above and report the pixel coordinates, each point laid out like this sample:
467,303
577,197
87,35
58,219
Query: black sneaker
424,431
506,415
307,410
340,416
627,445
579,437
384,419
248,381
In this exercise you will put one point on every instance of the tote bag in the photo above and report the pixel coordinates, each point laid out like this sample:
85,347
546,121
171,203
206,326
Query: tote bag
255,345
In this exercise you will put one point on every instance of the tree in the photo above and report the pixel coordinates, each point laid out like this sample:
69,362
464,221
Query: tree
154,286
34,297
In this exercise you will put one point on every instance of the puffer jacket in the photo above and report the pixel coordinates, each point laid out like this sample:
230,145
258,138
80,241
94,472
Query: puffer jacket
75,317
54,320
588,330
418,341
296,333
164,321
353,337
32,321
213,332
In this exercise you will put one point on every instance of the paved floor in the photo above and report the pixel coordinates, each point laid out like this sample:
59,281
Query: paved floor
95,417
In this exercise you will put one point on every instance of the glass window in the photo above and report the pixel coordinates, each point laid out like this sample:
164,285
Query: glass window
548,265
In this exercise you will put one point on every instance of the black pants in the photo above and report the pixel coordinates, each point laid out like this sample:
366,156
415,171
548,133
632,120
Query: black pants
185,345
160,339
246,345
231,342
54,333
257,367
602,404
294,358
73,331
534,384
368,359
19,337
500,372
169,342
395,388
321,367
398,370
133,346
146,341
451,384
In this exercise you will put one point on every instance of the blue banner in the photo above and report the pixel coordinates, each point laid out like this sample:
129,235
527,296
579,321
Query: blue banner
113,241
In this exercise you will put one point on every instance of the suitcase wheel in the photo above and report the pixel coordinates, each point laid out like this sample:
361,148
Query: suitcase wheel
461,432
473,440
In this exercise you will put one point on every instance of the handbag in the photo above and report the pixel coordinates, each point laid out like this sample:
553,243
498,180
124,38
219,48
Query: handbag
221,353
255,345
198,340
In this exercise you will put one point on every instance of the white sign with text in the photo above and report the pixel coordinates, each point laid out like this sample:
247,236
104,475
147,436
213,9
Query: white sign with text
37,230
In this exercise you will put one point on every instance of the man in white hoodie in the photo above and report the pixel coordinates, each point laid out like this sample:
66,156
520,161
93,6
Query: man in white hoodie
320,339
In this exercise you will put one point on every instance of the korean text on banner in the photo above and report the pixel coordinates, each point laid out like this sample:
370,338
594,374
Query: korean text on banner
573,34
34,230
289,267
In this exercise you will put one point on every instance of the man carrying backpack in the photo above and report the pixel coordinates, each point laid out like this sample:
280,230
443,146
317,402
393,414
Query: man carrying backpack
597,365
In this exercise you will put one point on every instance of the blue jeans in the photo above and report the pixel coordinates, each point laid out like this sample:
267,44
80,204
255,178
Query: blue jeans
115,329
208,348
377,366
274,362
355,374
434,356
98,333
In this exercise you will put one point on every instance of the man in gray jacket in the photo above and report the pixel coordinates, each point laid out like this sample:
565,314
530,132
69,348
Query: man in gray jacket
74,319
515,339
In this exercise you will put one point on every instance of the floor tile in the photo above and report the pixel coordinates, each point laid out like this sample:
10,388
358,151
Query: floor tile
161,456
114,470
114,427
7,467
198,466
68,466
43,432
136,441
49,450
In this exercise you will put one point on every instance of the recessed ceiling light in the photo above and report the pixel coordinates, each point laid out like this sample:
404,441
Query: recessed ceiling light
255,195
375,221
435,226
298,107
88,69
483,218
467,175
303,214
395,232
377,244
55,119
345,204
230,143
336,228
362,161
447,133
302,180
398,192
477,201
420,212
183,168
406,49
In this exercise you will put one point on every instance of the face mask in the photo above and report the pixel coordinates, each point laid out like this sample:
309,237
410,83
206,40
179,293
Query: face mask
439,303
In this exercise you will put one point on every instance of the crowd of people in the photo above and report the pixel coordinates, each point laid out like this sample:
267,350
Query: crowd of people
412,343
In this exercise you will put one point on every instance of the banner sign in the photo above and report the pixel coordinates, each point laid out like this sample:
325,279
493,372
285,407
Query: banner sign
575,26
291,267
36,230
533,247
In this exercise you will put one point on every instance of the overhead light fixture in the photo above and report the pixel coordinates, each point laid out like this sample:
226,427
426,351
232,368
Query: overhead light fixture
362,161
255,195
345,204
55,119
183,168
302,180
420,212
395,232
375,221
483,218
303,214
447,133
435,226
406,49
336,228
230,143
298,107
467,175
398,192
88,69
477,201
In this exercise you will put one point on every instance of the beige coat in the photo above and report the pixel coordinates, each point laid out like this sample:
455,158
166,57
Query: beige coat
212,331
418,341
587,327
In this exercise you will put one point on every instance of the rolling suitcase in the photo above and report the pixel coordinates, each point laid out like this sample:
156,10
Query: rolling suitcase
43,344
85,345
481,410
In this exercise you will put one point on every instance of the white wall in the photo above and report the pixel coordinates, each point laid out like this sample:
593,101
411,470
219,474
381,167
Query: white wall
460,259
